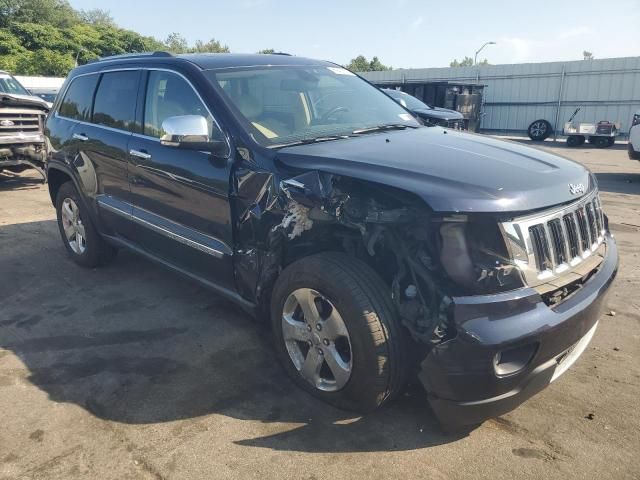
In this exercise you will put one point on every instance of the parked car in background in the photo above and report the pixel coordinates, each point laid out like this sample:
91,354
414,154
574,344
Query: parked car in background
634,137
47,94
22,141
380,249
430,116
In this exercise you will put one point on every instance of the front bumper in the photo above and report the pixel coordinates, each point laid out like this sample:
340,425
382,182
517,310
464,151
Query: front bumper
460,375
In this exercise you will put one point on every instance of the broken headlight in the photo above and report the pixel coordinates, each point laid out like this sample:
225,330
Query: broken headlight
474,255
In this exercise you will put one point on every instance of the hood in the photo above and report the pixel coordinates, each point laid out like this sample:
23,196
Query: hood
451,171
15,100
439,113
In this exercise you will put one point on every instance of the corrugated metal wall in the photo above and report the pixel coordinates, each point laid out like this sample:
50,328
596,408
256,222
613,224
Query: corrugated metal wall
516,95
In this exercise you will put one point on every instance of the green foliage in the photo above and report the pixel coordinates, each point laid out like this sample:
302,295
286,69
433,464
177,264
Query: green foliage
361,64
176,43
48,37
467,62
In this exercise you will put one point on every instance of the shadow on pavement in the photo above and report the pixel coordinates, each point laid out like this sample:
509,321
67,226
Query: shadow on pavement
14,181
136,344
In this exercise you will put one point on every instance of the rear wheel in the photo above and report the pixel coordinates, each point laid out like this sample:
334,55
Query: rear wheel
599,142
539,130
83,243
336,332
633,154
575,140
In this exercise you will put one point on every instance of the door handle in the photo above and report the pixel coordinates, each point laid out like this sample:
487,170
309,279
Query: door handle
140,154
80,136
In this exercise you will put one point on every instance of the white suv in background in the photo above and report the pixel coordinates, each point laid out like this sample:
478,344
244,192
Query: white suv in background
634,137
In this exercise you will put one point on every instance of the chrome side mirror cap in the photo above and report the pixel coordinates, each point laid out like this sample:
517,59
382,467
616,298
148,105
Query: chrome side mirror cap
185,131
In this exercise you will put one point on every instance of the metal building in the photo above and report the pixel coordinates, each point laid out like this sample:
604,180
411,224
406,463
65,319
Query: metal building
517,94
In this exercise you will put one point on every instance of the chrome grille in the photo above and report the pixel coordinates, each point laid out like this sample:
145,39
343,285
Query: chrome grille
14,120
456,124
548,244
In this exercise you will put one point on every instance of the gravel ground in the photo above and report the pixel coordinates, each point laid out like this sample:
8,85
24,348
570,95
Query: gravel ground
132,372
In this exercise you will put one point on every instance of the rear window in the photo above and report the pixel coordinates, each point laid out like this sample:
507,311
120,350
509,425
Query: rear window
115,104
77,101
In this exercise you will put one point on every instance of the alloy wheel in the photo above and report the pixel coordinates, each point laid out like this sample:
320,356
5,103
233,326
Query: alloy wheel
72,225
317,340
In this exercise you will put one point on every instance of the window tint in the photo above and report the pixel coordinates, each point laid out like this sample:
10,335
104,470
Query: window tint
115,104
169,95
77,101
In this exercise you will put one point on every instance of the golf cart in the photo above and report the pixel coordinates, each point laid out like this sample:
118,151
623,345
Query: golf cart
601,135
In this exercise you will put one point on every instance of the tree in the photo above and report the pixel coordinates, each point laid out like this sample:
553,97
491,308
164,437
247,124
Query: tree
467,62
212,46
97,16
46,37
53,12
176,43
361,64
587,55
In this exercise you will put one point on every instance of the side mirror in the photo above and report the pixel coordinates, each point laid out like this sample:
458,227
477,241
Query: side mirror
191,132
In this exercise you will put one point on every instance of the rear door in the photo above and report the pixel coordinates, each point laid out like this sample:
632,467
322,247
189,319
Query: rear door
180,197
103,146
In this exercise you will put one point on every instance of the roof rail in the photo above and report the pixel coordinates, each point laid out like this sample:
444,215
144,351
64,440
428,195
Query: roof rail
132,55
282,53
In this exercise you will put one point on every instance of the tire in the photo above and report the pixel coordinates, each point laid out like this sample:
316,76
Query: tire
377,343
85,245
539,130
599,142
633,154
574,140
611,141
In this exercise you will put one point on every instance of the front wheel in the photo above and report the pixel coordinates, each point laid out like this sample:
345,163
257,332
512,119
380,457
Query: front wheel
336,332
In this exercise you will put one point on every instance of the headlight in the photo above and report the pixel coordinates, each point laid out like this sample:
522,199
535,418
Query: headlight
474,255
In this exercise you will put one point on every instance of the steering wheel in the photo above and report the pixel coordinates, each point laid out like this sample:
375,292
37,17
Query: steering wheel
333,111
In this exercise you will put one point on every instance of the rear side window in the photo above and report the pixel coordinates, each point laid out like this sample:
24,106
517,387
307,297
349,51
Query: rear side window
77,102
115,103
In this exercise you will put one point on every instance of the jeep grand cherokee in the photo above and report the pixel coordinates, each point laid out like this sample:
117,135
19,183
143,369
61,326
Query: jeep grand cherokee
379,248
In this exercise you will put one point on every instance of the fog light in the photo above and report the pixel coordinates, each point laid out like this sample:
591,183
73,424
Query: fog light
513,360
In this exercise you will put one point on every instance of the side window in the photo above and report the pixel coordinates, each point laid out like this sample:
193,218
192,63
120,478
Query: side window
116,98
77,101
169,95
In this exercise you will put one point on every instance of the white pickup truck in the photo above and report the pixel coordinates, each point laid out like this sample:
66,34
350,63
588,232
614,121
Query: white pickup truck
22,115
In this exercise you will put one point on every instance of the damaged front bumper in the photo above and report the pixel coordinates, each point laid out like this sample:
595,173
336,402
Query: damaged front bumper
509,346
23,150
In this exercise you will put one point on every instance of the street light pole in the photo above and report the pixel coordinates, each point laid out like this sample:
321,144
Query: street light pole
475,59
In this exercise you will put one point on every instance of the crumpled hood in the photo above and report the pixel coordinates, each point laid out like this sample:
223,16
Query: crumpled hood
451,171
15,100
441,113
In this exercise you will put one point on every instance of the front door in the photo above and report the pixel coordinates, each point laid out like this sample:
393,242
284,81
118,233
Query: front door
180,197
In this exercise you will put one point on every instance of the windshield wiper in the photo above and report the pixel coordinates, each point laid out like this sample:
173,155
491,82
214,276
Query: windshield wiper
306,141
382,128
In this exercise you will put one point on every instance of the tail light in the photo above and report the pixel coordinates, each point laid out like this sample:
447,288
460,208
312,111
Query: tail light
636,119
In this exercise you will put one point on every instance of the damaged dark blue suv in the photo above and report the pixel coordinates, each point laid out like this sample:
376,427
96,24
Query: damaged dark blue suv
381,249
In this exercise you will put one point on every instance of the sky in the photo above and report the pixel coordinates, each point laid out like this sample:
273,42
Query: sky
402,33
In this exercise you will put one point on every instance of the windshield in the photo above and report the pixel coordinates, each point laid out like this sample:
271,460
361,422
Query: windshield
288,105
10,85
408,101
